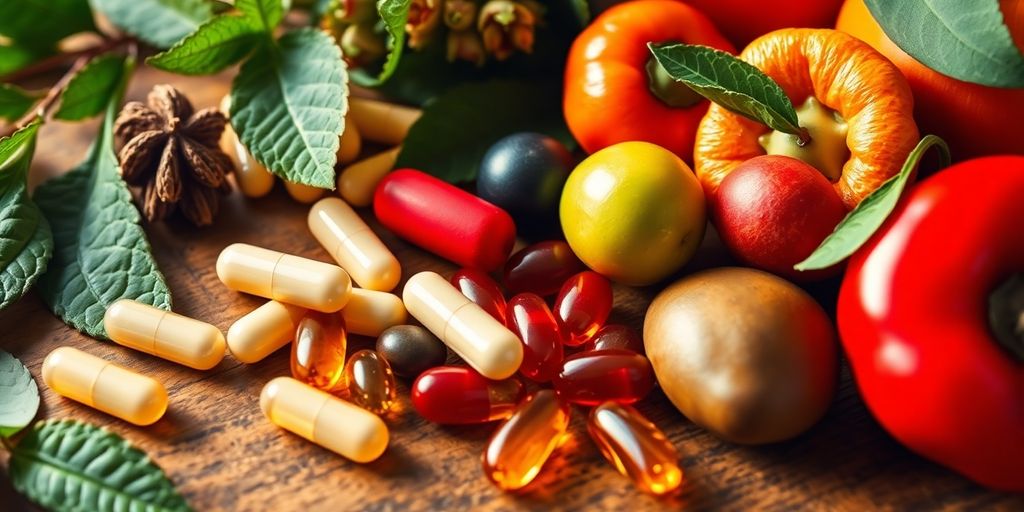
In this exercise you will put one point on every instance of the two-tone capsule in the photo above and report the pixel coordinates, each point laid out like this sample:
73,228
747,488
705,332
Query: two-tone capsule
456,395
263,330
636,447
283,277
369,312
105,386
164,334
354,245
519,448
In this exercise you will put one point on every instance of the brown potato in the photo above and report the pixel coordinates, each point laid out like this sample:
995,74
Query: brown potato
743,353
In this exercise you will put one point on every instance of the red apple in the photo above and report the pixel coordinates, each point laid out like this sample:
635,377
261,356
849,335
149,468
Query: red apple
772,212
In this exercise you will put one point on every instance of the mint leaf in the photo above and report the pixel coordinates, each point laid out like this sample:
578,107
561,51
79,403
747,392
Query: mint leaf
868,216
41,23
15,101
730,82
100,251
25,240
393,14
19,396
90,89
215,45
968,41
67,465
582,10
288,106
457,128
265,15
14,57
160,23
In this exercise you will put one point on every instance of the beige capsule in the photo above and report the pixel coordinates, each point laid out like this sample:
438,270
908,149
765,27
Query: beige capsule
370,312
357,182
350,143
383,122
317,416
164,334
352,243
104,386
483,342
263,330
304,194
254,180
283,277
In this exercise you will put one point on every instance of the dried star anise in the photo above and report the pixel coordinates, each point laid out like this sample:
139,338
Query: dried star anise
172,152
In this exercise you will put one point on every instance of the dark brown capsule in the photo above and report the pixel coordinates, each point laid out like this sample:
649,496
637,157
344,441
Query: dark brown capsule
411,350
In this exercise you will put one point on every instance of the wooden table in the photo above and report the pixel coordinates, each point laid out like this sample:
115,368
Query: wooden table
224,455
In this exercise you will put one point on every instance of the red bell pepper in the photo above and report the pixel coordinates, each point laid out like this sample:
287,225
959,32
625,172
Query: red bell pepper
914,316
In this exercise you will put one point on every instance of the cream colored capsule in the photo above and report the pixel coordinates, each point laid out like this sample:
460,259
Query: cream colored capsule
350,143
264,330
105,386
483,342
354,245
252,177
283,277
357,182
370,312
343,428
304,194
383,122
164,334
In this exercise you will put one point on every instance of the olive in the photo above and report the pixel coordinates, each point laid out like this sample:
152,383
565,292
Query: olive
411,350
523,174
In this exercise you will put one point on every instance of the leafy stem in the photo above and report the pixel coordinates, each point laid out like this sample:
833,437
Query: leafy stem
61,59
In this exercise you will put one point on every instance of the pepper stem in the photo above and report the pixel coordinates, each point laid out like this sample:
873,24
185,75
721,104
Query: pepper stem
1006,315
670,91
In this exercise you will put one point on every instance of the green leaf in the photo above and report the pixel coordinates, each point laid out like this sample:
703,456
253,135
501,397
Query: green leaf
19,396
160,23
264,15
100,251
582,10
288,106
393,15
25,240
41,23
15,56
730,82
217,44
965,40
868,216
15,101
67,465
456,129
90,89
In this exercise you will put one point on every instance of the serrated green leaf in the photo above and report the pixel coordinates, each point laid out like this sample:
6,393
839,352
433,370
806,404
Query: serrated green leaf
730,82
19,396
965,40
160,23
288,106
100,250
25,240
14,57
41,23
858,225
67,465
265,15
15,101
90,89
456,129
217,44
582,10
393,14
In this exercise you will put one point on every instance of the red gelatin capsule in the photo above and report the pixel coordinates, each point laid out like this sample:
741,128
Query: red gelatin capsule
444,219
541,268
531,320
590,378
478,287
616,336
454,395
583,306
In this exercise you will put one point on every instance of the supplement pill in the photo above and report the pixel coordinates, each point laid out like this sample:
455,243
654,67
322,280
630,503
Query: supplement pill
616,336
318,352
444,219
263,330
316,416
350,142
590,378
379,121
636,447
304,194
105,386
357,182
531,320
290,279
369,313
583,306
483,342
371,384
519,448
456,395
354,245
164,334
478,287
254,180
541,268
411,349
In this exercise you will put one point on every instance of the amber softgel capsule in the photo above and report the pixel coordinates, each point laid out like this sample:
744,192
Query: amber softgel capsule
343,428
104,386
283,277
164,334
354,245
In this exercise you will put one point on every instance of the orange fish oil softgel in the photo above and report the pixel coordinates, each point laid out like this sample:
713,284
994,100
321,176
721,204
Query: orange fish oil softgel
318,352
352,243
316,416
283,277
371,383
263,330
164,334
105,386
636,447
519,448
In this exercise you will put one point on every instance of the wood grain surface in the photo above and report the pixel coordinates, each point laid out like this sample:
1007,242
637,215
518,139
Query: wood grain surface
221,452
